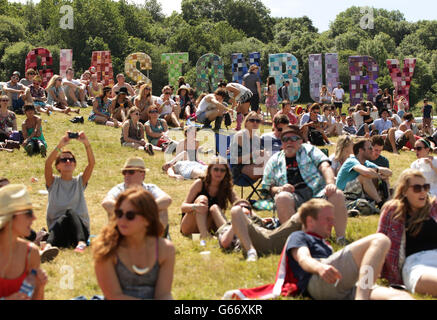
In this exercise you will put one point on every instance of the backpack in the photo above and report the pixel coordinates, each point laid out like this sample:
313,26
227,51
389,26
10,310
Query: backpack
315,137
280,92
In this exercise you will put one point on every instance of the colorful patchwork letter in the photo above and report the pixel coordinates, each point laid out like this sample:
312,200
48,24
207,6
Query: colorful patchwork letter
357,66
46,61
174,62
316,73
102,61
276,63
65,61
239,66
402,77
210,71
130,66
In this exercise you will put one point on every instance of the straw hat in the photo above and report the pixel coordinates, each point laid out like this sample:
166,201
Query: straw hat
13,198
134,163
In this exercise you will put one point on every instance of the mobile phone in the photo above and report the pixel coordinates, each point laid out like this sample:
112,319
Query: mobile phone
73,135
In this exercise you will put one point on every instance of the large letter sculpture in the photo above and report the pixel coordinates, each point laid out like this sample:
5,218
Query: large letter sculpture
210,71
46,61
276,62
65,61
358,80
239,66
402,77
130,66
174,62
316,73
102,61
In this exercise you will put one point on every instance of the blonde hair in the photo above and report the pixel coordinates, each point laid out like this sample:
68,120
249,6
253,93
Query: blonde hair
249,115
141,93
400,201
53,81
342,144
131,110
312,208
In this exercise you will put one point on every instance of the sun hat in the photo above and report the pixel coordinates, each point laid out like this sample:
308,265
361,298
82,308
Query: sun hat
134,163
13,198
292,129
182,87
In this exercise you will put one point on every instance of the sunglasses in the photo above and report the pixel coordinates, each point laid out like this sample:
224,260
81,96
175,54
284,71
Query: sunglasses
153,111
222,170
31,74
59,79
417,188
291,138
418,148
64,160
167,92
28,213
130,215
36,83
4,100
136,113
254,120
129,172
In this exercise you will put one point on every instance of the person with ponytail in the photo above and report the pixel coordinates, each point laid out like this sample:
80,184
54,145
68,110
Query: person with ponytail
410,222
132,260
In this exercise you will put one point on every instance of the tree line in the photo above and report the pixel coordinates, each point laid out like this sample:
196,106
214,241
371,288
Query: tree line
222,27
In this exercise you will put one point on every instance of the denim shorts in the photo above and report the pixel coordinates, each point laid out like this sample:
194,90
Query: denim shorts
416,265
201,117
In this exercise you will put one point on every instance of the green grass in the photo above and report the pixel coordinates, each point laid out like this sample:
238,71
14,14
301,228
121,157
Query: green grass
194,277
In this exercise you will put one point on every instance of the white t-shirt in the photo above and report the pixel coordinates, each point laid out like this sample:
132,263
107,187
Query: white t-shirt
203,105
242,89
338,93
73,81
168,106
119,188
430,175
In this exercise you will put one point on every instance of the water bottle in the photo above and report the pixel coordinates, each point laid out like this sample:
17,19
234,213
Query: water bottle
29,283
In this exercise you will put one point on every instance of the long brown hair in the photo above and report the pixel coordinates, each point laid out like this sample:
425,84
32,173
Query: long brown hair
225,189
400,201
110,238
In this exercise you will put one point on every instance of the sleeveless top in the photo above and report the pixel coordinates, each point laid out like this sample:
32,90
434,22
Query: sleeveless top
10,286
204,192
56,92
133,133
156,129
96,93
40,138
135,285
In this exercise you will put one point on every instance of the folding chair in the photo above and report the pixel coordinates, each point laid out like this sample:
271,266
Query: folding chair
222,143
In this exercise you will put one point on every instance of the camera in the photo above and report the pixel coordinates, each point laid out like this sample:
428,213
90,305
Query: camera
73,135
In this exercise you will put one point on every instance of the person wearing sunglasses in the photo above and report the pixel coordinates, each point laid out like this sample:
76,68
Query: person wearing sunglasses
94,88
17,93
207,200
168,109
144,100
359,177
410,222
68,220
132,134
56,96
18,256
39,96
28,77
157,129
101,106
132,260
312,125
8,119
120,105
301,172
134,173
246,154
426,163
34,141
271,141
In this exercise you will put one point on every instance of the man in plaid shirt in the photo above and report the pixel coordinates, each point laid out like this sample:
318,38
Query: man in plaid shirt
301,172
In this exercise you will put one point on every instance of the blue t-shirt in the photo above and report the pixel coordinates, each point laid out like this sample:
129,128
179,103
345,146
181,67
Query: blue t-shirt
318,247
270,142
382,125
347,172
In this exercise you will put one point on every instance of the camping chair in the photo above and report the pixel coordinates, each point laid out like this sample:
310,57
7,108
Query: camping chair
222,144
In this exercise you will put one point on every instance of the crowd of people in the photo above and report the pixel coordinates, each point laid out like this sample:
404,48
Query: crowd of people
311,192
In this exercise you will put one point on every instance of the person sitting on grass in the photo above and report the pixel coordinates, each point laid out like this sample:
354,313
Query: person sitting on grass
68,220
34,141
131,259
75,90
56,96
120,105
18,256
17,93
377,158
206,201
122,84
168,108
426,163
271,141
100,113
348,274
254,235
95,88
157,130
360,176
410,222
39,96
343,150
132,134
134,172
144,100
8,119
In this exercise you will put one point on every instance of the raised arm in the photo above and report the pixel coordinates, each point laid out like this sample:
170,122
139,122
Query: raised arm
48,169
90,155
